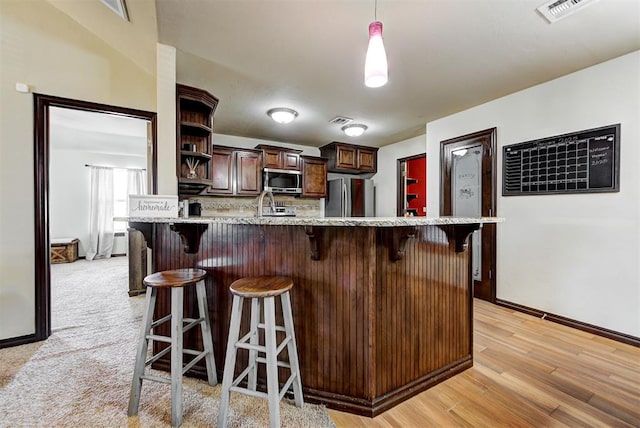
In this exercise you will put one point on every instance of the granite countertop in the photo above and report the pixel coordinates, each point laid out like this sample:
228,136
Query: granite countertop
315,221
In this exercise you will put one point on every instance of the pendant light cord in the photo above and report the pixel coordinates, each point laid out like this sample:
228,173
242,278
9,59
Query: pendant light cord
375,10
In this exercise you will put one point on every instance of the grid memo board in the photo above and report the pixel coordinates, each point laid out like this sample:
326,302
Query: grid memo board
581,162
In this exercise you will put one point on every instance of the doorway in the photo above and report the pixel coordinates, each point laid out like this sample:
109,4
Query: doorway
42,151
468,189
412,186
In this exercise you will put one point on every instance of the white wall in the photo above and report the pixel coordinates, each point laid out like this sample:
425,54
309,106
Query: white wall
570,255
70,184
385,179
44,48
166,120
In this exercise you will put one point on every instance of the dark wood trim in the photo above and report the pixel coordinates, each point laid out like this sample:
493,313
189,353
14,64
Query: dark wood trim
579,325
382,404
400,182
314,241
41,104
459,235
190,234
16,341
400,238
485,289
41,204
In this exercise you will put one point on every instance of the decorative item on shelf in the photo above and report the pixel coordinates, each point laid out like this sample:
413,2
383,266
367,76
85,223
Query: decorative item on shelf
282,114
375,65
354,130
189,147
192,163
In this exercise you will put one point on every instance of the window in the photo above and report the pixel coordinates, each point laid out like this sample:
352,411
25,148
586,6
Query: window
120,198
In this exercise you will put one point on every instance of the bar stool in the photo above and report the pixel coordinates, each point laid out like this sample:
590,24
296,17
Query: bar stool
259,290
176,280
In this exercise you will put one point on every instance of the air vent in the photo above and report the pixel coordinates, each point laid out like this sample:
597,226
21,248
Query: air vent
555,10
341,120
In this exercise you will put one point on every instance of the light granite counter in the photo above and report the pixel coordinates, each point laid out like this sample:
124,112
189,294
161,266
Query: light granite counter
324,221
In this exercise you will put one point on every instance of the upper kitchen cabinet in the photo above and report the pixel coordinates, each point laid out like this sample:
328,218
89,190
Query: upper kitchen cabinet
248,172
280,158
350,158
314,177
236,172
194,116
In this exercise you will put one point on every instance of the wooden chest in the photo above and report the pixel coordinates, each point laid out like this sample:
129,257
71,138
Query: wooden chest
64,250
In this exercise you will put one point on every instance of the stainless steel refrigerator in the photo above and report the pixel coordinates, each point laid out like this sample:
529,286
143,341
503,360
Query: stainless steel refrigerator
350,197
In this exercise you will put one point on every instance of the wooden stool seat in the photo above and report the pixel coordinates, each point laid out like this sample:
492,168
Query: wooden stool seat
262,291
175,278
261,286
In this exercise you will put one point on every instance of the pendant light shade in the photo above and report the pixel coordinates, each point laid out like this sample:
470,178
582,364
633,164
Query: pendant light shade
375,66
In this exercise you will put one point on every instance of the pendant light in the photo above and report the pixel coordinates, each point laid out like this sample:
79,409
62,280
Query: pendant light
375,65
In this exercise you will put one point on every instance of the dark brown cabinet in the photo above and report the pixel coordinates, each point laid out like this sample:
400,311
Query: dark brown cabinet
314,177
194,116
350,158
280,157
236,172
222,164
248,172
367,159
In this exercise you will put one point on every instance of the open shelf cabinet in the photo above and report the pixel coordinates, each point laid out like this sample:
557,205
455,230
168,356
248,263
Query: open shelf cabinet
194,114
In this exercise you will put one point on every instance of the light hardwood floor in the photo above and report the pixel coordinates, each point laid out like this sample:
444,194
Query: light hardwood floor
527,372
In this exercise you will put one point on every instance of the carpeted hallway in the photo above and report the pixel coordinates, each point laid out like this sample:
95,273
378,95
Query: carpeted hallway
81,375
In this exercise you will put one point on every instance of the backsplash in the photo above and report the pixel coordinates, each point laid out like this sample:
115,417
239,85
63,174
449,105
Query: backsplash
219,206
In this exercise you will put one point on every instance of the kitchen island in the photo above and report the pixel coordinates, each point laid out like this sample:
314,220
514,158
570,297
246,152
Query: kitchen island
382,307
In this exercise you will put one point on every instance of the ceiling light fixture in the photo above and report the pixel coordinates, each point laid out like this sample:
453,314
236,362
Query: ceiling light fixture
354,130
375,65
282,114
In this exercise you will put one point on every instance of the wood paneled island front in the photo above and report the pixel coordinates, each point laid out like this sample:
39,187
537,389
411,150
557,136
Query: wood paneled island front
382,307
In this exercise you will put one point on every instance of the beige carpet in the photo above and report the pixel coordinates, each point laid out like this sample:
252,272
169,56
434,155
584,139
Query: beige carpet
81,375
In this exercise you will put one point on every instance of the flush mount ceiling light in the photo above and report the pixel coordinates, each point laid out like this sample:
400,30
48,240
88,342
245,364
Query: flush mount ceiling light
354,130
375,64
282,114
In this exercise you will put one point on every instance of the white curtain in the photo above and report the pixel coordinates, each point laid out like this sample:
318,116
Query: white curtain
136,183
101,214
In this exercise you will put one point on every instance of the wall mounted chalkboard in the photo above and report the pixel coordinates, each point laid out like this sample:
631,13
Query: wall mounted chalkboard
580,162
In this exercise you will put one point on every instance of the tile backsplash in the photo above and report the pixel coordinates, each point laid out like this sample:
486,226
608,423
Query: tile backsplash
220,206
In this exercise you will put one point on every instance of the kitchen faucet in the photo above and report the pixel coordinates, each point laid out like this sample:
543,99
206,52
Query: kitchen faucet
261,202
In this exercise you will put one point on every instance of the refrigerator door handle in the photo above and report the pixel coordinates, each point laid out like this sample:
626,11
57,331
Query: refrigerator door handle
344,200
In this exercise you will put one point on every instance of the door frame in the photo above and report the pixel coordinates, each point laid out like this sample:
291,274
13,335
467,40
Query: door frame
487,138
41,124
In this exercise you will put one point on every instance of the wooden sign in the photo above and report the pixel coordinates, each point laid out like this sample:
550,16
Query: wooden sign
155,206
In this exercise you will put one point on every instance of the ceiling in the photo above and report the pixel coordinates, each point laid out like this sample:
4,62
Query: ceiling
444,56
95,132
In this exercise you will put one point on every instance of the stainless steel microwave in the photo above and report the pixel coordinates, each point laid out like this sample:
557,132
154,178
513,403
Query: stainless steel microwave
282,181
